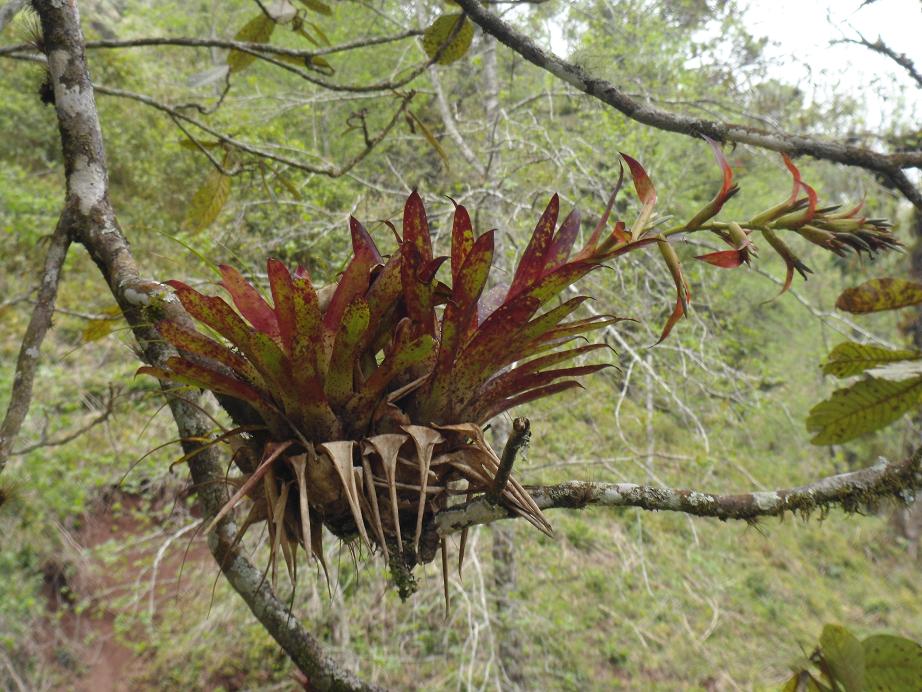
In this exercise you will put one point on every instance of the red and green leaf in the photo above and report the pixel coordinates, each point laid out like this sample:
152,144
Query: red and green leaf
791,262
508,388
528,397
534,259
589,249
181,370
459,318
646,193
257,346
307,340
249,301
416,226
355,279
462,241
725,259
683,295
562,245
417,295
200,345
339,379
282,286
727,189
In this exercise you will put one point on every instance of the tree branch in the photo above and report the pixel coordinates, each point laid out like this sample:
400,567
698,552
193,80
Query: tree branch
91,220
329,170
850,491
39,323
882,48
101,418
888,165
191,42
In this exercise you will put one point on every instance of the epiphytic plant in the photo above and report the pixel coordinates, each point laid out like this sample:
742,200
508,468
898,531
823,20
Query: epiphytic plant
362,409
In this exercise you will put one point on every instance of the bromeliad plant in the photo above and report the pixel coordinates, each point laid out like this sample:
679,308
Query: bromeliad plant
361,408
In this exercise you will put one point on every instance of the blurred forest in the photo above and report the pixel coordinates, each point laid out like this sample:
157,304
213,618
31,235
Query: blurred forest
105,581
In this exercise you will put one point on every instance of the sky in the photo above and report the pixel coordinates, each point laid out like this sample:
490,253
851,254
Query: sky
801,32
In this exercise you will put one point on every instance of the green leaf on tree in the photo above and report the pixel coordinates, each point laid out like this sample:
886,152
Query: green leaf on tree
430,138
891,663
849,358
844,656
317,6
864,407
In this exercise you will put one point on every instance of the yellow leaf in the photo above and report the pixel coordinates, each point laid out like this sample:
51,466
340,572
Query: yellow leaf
257,30
320,65
324,39
880,294
208,201
891,663
288,185
96,330
189,144
317,6
844,657
439,32
433,142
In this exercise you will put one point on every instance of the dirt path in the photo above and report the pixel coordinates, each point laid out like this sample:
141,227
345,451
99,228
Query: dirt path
117,565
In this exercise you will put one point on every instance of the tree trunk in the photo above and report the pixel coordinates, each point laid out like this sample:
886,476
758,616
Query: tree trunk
907,521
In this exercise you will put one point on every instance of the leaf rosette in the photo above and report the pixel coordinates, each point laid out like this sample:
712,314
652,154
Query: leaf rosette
360,406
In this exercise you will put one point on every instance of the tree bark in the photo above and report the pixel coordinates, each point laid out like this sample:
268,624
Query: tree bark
90,219
30,349
908,520
851,491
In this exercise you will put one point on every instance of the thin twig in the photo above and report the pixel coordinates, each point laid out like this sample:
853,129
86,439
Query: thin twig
70,437
882,48
196,42
330,170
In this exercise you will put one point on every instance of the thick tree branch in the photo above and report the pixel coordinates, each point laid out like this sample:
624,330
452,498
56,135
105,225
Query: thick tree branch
91,220
888,165
39,323
850,491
